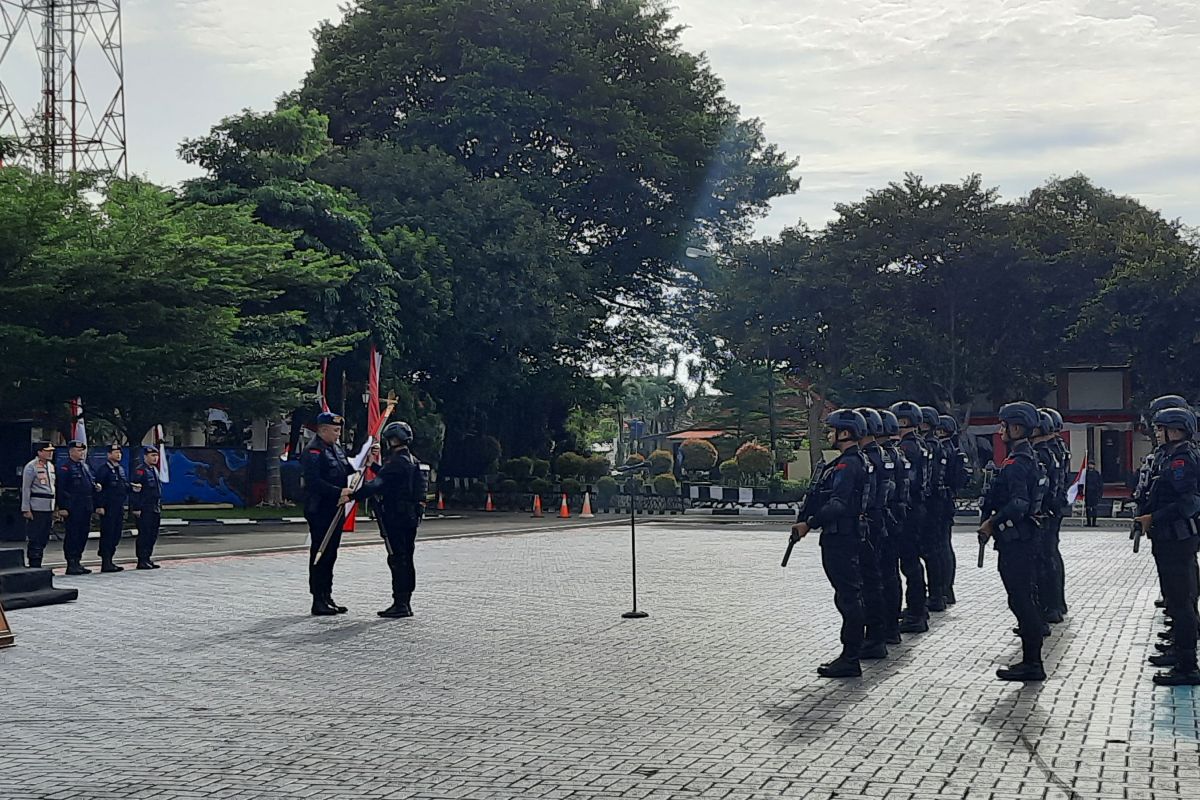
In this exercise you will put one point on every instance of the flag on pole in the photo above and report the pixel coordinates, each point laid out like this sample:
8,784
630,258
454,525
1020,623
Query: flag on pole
1077,486
322,387
78,429
374,413
160,441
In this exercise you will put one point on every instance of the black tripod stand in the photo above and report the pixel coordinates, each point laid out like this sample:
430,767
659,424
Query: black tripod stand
632,485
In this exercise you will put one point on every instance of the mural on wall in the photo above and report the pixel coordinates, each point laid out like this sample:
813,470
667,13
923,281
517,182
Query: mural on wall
198,474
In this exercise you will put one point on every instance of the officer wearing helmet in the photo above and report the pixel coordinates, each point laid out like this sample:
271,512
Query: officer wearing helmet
1053,597
835,505
1149,467
879,619
958,475
1171,518
917,457
326,468
933,543
1048,516
1008,509
399,487
897,512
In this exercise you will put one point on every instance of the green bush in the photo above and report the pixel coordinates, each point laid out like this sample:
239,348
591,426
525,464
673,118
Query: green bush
569,465
661,461
635,459
666,485
595,468
541,486
571,486
519,469
509,486
731,473
541,468
754,459
606,488
793,491
699,455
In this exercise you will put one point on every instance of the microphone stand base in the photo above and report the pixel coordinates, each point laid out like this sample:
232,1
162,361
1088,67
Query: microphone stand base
635,615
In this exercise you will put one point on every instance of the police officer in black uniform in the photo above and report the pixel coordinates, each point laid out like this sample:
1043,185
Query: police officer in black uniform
1047,456
957,476
916,456
933,549
146,504
1171,517
835,504
399,488
897,511
76,498
1056,600
1148,470
326,468
871,555
110,507
1008,511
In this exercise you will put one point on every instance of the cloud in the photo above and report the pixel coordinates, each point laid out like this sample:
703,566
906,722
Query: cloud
272,36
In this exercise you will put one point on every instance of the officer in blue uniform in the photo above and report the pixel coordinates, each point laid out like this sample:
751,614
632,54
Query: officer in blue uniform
835,505
957,476
1171,518
1055,599
933,549
879,617
76,492
917,457
146,504
1008,510
1047,456
897,511
326,469
110,506
399,487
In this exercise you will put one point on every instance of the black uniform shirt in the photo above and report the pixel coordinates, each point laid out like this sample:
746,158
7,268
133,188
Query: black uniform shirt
1011,492
114,488
1174,499
325,471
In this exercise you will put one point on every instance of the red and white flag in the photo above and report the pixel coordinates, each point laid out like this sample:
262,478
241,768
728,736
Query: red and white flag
323,385
78,429
164,468
1077,486
374,413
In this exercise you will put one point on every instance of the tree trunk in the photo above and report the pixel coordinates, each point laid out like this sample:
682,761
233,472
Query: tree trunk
276,435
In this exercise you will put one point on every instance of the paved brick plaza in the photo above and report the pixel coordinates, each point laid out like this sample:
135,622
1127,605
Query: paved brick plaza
207,679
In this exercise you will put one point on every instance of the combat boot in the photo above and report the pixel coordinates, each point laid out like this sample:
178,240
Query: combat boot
109,565
1167,658
841,667
914,625
145,564
396,610
329,602
937,604
1178,676
950,598
77,568
873,650
320,609
1054,616
1025,671
893,635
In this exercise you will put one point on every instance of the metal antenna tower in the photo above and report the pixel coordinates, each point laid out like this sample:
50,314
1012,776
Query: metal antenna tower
76,122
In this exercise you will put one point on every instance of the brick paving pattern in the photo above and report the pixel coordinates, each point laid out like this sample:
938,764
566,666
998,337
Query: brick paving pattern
518,678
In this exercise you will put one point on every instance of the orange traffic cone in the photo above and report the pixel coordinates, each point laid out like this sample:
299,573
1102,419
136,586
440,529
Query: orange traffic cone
563,511
441,506
587,506
490,505
537,506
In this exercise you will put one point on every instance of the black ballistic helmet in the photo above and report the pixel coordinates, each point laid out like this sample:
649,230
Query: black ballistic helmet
1045,423
947,424
1181,419
891,427
908,413
397,434
1056,419
929,416
1166,401
846,419
1020,413
874,421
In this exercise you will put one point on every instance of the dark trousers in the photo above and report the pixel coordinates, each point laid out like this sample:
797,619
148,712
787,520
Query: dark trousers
933,551
839,557
1050,582
112,522
1091,509
874,608
147,528
77,525
889,574
1018,563
950,559
37,531
1177,574
320,575
402,542
909,550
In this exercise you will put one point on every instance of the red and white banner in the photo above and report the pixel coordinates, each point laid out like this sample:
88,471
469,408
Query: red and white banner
323,386
374,413
78,429
1077,486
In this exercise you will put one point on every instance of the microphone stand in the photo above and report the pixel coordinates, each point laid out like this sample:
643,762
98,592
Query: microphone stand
632,485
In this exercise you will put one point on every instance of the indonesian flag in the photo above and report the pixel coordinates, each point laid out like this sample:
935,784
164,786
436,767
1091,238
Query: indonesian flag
322,385
1077,486
78,429
374,423
160,441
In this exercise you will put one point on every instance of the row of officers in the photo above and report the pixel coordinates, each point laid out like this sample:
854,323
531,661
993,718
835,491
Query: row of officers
885,508
74,494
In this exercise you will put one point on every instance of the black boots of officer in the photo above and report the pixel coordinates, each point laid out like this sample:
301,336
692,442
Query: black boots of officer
146,564
1030,668
841,667
326,607
397,610
108,565
75,567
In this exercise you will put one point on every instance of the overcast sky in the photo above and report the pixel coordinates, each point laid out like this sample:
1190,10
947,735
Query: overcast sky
860,91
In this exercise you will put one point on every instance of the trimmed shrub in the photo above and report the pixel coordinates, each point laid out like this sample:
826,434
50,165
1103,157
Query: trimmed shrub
666,485
569,465
541,468
634,459
754,459
661,462
509,486
595,468
606,489
519,469
730,472
699,455
793,491
541,486
571,486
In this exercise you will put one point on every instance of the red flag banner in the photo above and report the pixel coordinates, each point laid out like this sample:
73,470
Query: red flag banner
374,413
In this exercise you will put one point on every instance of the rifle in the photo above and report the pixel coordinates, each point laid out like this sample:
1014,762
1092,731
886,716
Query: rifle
1135,534
787,554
